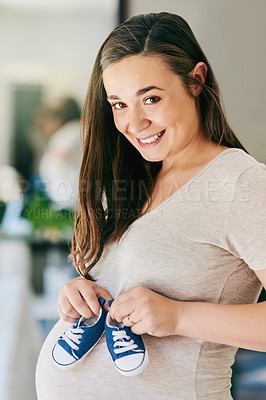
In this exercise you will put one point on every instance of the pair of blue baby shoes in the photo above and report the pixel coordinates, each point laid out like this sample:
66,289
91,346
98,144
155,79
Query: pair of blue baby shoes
126,348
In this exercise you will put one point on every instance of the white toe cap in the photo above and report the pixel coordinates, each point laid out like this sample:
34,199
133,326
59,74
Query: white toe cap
61,356
131,364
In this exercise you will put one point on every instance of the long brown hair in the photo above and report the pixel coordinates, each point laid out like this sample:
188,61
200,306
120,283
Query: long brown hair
115,181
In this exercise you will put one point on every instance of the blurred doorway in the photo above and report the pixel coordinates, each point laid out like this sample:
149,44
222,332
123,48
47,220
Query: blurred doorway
25,100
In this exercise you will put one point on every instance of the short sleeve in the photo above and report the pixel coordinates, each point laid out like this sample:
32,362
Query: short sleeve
245,221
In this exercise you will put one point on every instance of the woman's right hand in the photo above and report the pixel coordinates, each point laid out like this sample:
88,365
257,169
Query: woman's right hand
80,297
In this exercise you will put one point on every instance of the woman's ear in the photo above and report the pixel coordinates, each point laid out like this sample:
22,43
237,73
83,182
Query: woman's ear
199,72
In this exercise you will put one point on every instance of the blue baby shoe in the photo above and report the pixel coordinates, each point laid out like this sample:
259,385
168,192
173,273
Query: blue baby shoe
126,348
77,341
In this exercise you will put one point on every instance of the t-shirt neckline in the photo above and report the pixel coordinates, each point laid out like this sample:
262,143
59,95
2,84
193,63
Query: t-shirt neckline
192,179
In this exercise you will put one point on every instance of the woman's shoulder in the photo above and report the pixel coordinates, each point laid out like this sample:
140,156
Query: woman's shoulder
235,163
246,178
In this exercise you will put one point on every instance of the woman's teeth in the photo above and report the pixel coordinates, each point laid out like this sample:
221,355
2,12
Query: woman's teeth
152,138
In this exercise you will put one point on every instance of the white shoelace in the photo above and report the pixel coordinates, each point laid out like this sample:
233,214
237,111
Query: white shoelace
72,336
121,339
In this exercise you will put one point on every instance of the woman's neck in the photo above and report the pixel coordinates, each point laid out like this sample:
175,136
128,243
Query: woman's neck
198,152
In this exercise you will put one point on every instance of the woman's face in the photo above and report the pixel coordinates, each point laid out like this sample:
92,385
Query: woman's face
151,107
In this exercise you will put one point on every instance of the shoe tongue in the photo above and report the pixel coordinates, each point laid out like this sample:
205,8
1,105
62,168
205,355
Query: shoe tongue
80,322
87,322
114,324
110,302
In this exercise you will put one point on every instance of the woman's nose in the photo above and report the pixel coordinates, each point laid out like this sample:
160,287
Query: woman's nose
137,121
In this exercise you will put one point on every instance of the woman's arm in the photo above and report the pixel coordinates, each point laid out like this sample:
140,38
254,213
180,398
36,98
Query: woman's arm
241,325
237,325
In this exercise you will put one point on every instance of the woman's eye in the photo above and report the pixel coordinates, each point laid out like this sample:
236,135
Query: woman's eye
118,106
151,100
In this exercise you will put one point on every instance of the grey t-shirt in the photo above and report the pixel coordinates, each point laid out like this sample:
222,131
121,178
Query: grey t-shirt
203,243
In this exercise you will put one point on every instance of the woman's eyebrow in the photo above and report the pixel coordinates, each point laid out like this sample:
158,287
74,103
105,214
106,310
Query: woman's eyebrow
147,89
138,93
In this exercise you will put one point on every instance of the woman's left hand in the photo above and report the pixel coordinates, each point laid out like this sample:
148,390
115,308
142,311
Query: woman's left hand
146,311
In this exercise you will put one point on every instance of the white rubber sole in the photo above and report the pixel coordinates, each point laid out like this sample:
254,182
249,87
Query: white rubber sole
138,370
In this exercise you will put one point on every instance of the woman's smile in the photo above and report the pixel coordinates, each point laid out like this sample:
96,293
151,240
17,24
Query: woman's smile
151,141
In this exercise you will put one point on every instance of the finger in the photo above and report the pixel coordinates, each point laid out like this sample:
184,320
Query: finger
67,308
72,303
81,296
123,297
119,311
139,328
85,305
89,292
101,292
130,320
126,302
65,317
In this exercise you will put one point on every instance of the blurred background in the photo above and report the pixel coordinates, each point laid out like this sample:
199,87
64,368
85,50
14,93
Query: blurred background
47,49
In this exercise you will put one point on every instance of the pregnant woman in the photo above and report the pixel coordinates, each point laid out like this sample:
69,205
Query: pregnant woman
170,224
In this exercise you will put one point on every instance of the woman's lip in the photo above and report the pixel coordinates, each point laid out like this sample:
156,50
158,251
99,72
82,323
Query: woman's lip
147,137
152,144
